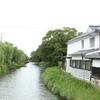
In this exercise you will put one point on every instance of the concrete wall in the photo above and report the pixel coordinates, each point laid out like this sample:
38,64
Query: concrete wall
79,73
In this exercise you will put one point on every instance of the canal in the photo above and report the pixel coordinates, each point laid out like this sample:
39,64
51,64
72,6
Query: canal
24,84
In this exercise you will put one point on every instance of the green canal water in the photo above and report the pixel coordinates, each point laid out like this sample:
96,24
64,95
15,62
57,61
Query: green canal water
24,84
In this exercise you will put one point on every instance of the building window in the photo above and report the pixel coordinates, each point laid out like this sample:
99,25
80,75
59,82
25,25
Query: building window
73,63
77,63
92,44
88,65
81,64
82,44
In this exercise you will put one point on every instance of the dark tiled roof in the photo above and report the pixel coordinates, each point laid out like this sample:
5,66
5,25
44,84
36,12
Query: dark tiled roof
93,56
94,28
91,29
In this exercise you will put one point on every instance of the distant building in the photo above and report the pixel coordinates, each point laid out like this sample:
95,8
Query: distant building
83,55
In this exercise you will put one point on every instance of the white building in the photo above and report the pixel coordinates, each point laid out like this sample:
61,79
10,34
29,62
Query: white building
83,55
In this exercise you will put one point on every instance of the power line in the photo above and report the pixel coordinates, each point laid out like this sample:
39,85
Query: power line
22,27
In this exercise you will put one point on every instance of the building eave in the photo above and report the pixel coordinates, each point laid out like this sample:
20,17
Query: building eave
93,55
83,52
83,36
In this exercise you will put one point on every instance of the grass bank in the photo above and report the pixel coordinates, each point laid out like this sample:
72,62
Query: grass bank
6,69
69,87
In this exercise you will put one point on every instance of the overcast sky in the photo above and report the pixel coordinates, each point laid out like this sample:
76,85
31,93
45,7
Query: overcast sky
25,22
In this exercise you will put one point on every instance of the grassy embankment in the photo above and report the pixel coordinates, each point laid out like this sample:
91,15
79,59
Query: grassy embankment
69,87
5,69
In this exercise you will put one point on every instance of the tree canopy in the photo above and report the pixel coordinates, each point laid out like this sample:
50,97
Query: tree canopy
53,45
11,56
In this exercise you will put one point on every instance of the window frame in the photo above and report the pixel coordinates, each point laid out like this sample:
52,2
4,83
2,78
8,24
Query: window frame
82,43
92,42
80,64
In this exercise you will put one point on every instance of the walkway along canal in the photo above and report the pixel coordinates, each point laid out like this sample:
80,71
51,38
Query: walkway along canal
24,84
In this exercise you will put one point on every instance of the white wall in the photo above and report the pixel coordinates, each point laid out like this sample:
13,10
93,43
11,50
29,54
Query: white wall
74,47
97,41
86,43
77,57
77,45
96,63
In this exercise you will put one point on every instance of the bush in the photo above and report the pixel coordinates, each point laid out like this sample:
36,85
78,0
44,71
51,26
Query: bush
43,64
15,66
69,87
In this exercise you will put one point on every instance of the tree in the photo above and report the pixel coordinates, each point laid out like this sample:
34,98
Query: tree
11,56
53,45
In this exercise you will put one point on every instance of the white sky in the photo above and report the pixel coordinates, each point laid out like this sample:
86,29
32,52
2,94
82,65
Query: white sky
25,22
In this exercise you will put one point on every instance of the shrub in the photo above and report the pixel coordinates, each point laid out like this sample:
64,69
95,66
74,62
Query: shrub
43,64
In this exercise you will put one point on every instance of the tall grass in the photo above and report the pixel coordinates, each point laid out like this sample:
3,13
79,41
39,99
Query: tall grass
69,87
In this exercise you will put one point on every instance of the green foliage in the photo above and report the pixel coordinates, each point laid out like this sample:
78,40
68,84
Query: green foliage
43,64
3,69
10,56
67,86
53,46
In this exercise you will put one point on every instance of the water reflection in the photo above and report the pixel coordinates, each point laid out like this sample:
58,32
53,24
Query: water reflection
24,84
